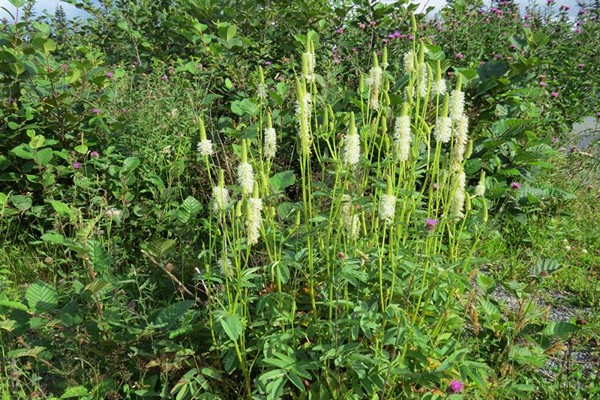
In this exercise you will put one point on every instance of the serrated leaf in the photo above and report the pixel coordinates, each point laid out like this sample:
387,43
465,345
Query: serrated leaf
545,266
98,256
44,156
130,164
41,297
173,312
17,305
232,325
23,151
188,209
22,203
160,247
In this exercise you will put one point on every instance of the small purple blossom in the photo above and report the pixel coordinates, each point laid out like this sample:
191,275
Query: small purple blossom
411,37
397,34
581,66
164,78
598,115
515,185
456,386
267,63
459,56
554,95
373,23
339,30
76,165
64,67
94,154
430,224
543,84
554,139
110,74
526,16
95,111
362,25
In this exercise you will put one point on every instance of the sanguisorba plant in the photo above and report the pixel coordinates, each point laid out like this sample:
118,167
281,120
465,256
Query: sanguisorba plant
354,286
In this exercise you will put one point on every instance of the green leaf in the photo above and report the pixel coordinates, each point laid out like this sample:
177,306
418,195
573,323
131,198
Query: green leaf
81,149
282,180
43,156
61,208
41,297
23,151
232,325
98,256
17,3
545,266
244,107
188,209
171,313
76,391
31,352
53,237
130,164
560,328
23,203
13,304
231,31
37,141
160,247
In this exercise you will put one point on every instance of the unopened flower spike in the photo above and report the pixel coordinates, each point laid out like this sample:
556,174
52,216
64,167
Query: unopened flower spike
384,58
220,197
205,146
270,139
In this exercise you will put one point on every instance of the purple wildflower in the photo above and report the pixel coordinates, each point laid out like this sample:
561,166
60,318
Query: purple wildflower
456,386
95,111
515,185
164,78
581,66
267,63
340,30
459,56
110,74
430,224
554,95
76,165
362,25
94,154
543,84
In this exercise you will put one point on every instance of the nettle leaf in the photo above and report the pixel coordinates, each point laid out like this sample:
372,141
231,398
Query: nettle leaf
160,247
41,297
173,312
282,180
98,256
189,209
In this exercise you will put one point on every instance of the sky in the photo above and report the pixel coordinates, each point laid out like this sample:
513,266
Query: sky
72,11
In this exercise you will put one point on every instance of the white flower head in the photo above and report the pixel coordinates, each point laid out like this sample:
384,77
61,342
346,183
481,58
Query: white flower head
351,154
402,137
461,138
439,87
443,129
351,220
409,62
254,220
246,177
270,145
423,80
205,148
113,213
374,81
226,267
387,208
457,103
480,188
458,201
220,198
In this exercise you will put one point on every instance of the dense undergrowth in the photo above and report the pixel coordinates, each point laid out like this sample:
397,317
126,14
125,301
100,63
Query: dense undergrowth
222,200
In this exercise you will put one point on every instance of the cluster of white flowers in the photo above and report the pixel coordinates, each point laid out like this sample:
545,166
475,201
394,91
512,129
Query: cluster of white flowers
246,177
374,82
480,188
253,220
458,200
457,103
270,145
423,80
439,87
113,213
351,220
402,137
226,267
220,198
308,60
351,152
443,129
409,62
461,138
303,113
205,148
387,208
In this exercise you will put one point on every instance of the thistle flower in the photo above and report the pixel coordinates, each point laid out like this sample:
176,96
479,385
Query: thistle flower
443,129
205,148
458,200
220,198
457,103
387,208
253,220
402,137
455,386
515,185
430,224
